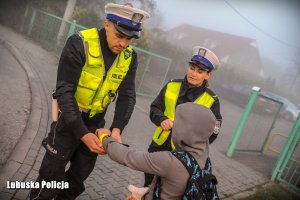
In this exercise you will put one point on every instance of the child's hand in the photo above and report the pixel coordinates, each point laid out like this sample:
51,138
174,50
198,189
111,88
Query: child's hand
101,131
136,193
131,197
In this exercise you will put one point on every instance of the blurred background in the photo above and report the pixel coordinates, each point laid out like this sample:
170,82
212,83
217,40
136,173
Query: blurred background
256,41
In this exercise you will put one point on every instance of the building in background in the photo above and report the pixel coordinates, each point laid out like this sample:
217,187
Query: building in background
237,53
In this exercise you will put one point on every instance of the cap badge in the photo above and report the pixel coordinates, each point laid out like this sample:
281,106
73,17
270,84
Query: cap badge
136,18
202,52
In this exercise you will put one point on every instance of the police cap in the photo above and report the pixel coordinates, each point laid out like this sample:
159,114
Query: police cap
204,59
127,20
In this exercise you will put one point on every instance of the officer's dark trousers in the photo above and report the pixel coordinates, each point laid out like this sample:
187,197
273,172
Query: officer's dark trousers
154,148
61,148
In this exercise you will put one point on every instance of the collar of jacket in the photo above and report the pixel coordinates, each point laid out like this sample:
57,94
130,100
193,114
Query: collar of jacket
186,88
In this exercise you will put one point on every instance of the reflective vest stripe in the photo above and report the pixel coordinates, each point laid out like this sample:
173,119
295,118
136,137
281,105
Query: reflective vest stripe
96,90
171,95
205,99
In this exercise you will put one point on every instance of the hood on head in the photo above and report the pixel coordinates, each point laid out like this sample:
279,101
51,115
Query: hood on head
193,126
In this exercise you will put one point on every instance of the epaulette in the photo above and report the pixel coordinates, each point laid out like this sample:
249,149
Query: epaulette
176,80
209,91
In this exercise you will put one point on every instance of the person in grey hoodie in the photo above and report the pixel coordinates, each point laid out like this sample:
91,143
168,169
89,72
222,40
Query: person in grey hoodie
192,128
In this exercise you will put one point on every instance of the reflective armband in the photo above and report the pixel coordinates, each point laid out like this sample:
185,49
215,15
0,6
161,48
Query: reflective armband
101,138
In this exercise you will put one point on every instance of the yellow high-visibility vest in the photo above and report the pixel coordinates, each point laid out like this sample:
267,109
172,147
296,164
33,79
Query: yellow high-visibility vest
93,92
171,95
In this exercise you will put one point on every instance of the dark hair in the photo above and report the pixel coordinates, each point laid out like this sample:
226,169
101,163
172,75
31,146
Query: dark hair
205,83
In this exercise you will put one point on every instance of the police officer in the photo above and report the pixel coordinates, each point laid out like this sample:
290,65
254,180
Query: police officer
193,88
95,68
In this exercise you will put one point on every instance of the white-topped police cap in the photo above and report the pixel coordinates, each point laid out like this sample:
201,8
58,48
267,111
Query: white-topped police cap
127,20
204,59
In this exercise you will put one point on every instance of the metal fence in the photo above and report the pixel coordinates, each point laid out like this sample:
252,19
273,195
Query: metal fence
287,168
253,134
257,130
290,175
256,123
52,32
151,73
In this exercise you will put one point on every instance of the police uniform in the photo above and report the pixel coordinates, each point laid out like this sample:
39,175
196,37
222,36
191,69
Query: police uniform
177,92
90,76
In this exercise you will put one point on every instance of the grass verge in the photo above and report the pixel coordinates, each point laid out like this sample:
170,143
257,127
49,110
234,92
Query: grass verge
273,192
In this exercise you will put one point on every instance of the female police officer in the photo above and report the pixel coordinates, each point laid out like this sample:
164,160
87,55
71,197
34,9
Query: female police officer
95,66
193,88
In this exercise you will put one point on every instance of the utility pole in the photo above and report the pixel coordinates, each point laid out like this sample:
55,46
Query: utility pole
67,16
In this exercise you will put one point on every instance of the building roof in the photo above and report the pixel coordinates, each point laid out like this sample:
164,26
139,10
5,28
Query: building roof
237,51
223,44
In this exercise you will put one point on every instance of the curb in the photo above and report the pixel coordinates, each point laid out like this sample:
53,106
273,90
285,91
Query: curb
22,147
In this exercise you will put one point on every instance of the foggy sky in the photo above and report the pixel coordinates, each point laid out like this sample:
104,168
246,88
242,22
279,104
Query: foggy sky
273,23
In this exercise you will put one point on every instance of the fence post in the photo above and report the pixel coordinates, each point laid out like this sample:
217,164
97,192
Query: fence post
264,147
165,76
239,129
71,29
145,71
31,21
24,19
288,149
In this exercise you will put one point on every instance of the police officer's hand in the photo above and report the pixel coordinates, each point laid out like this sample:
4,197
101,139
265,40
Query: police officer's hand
93,143
167,124
116,133
101,131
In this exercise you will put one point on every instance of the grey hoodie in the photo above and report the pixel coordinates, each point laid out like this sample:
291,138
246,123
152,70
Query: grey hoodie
192,127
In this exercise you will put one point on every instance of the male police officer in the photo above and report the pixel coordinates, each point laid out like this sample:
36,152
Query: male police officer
95,66
193,88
